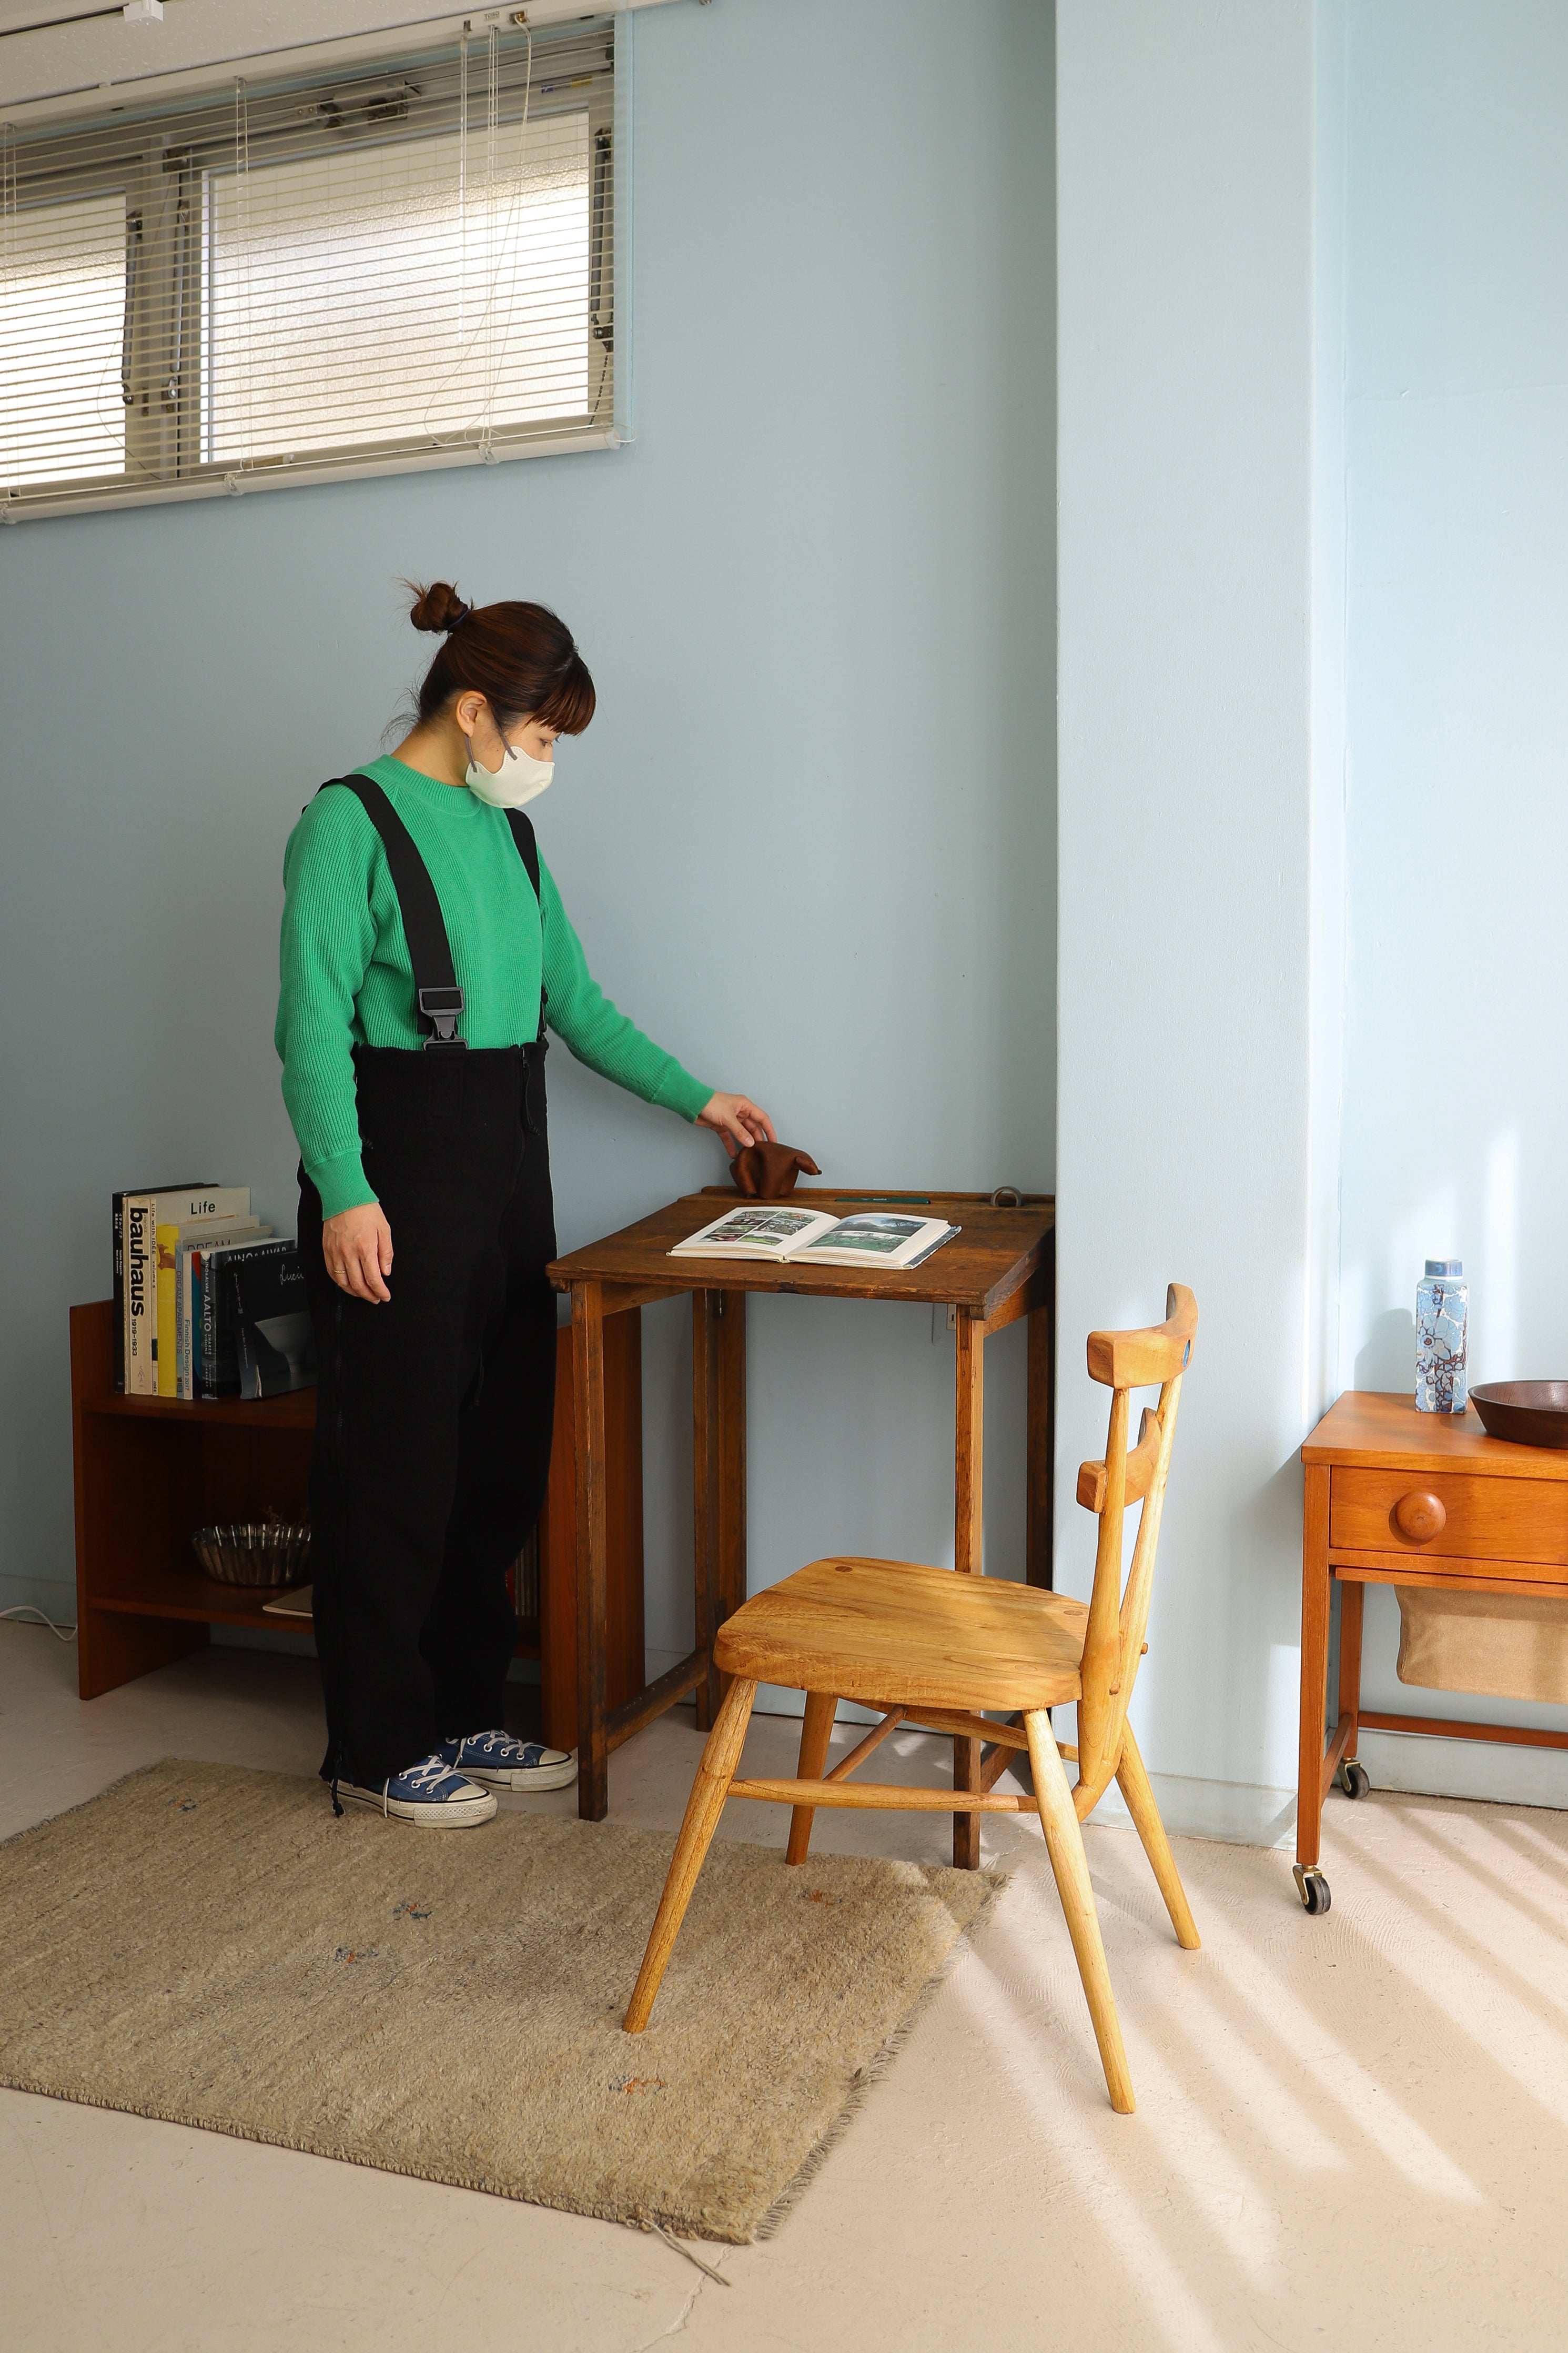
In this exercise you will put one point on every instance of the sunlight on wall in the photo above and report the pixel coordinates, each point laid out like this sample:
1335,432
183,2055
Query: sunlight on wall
1494,1303
1432,1228
1352,1321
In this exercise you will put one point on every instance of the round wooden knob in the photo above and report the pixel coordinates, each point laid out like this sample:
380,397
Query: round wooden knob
1420,1517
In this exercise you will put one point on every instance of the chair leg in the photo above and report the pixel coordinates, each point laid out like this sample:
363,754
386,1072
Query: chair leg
815,1734
1132,1781
1064,1844
703,1807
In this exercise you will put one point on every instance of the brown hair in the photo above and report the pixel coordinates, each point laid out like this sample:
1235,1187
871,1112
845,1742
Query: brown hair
522,657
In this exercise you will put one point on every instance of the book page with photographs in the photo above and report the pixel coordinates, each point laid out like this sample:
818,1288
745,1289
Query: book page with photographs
762,1229
877,1239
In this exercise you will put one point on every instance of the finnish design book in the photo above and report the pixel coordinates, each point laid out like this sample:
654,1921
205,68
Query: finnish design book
814,1238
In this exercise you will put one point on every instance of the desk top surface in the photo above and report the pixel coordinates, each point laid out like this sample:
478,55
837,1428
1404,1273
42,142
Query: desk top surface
979,1268
1377,1429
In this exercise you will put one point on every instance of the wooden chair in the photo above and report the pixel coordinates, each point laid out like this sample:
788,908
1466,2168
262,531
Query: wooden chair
931,1649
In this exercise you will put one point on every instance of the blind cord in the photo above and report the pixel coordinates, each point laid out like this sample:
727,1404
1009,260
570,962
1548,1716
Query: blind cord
484,422
498,350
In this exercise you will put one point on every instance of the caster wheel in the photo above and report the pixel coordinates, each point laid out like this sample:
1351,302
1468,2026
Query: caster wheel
1313,1889
1354,1779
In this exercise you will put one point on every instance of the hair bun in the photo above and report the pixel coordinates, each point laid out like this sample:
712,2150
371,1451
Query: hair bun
437,608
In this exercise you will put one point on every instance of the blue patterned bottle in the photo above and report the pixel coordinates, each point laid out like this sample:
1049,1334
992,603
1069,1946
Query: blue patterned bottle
1442,1317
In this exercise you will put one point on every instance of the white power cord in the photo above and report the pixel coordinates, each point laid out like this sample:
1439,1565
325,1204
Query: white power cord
25,1609
671,2241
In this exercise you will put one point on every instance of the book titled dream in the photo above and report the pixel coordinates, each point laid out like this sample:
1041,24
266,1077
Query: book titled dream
813,1238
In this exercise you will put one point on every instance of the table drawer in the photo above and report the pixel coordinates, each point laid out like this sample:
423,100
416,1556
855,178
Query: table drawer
1445,1511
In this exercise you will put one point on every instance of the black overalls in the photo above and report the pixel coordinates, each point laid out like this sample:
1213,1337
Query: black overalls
433,1415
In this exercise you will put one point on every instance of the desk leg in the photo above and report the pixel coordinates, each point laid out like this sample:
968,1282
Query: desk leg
593,1550
969,1461
1040,1444
705,1328
1353,1607
1314,1666
730,1549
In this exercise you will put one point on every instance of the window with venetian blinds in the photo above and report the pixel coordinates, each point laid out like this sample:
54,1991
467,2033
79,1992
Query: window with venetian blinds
285,280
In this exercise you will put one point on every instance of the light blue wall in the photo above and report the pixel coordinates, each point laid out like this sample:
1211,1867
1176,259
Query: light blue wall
809,840
1456,1109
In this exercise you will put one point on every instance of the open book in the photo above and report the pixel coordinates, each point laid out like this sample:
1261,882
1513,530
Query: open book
777,1231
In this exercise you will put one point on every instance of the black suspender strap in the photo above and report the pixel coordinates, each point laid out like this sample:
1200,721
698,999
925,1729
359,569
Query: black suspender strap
435,990
527,847
528,850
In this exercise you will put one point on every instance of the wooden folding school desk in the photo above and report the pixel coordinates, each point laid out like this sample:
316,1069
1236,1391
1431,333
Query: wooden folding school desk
1397,1497
1000,1267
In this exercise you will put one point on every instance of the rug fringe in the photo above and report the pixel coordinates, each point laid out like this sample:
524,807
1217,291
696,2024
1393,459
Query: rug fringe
231,2130
664,2224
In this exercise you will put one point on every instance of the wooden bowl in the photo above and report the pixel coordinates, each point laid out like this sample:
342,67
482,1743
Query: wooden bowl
252,1552
1531,1413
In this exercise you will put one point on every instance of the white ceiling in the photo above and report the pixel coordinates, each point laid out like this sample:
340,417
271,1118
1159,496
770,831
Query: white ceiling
45,56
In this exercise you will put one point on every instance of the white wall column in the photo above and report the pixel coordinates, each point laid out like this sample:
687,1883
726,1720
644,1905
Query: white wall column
1187,171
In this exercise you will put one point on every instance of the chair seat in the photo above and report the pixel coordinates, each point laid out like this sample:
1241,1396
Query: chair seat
909,1636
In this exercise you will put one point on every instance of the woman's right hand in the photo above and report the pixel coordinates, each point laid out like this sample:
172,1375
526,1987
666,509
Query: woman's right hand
357,1247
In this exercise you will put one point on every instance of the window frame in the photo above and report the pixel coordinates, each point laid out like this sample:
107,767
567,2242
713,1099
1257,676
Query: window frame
166,176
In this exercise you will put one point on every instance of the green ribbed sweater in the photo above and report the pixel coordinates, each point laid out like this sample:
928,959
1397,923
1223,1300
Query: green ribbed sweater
346,977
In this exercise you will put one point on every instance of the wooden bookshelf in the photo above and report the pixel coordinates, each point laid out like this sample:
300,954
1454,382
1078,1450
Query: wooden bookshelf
295,1411
149,1471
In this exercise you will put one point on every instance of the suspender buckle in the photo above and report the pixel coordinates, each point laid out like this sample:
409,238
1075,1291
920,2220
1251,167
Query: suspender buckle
440,1007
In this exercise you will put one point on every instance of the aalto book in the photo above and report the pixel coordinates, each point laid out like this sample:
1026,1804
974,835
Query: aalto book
198,1250
171,1355
775,1229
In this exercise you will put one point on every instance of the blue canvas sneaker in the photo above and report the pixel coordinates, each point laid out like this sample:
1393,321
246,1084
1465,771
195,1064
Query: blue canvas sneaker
428,1794
509,1764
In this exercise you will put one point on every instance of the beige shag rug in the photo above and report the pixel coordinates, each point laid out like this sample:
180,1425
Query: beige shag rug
210,1945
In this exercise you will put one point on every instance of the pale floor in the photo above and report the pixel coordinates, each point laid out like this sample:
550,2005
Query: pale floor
1354,2128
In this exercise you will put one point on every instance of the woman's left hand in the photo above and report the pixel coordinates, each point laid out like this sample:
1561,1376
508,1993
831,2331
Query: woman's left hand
738,1120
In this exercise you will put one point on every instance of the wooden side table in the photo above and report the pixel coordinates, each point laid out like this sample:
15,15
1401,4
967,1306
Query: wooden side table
1000,1267
1397,1497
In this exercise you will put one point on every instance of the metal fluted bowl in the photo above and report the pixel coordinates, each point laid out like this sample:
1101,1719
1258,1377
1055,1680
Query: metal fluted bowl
254,1552
1532,1413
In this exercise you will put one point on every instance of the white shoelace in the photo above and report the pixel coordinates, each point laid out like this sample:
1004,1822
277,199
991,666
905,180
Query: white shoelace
490,1744
424,1775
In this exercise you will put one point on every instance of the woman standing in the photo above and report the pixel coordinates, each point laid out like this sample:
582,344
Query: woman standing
425,948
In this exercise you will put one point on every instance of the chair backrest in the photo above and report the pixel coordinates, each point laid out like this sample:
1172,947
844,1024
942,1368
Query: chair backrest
1125,1361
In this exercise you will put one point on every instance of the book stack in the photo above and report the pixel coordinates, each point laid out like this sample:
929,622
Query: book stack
207,1302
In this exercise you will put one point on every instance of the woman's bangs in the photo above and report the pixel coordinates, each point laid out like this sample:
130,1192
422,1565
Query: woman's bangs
570,704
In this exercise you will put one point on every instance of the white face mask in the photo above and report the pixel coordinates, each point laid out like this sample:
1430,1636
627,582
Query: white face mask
517,781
